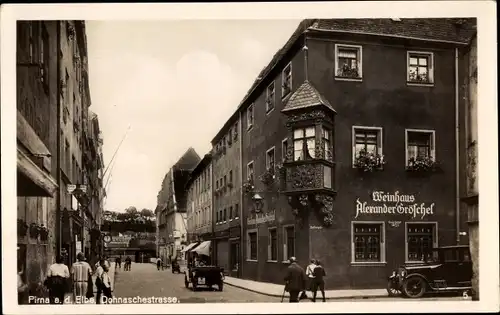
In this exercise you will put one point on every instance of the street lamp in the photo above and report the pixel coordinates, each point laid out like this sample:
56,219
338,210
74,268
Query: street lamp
258,202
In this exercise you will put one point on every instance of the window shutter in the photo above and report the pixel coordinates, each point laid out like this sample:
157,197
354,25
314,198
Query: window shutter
431,68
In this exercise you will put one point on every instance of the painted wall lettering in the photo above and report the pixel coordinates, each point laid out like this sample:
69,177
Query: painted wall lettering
261,218
394,203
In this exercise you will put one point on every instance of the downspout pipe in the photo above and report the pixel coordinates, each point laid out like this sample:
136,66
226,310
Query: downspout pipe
58,144
457,150
240,135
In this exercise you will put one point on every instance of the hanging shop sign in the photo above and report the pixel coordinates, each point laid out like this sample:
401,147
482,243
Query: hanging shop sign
395,203
262,218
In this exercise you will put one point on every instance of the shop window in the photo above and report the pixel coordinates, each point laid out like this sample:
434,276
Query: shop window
272,247
348,62
286,77
304,143
284,149
420,145
250,117
366,141
420,239
270,159
252,245
368,242
420,67
270,99
288,242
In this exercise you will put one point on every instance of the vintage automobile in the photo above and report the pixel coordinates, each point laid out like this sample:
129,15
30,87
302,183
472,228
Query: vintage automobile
442,269
204,276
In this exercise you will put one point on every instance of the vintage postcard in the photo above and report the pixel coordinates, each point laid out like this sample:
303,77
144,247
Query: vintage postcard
259,158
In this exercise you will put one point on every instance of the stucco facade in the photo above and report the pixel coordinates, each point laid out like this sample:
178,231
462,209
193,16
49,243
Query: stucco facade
227,183
347,92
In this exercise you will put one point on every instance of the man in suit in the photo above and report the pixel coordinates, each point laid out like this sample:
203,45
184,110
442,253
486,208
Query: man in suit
295,280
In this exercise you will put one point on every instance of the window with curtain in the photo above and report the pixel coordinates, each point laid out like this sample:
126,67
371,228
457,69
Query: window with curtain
348,61
304,143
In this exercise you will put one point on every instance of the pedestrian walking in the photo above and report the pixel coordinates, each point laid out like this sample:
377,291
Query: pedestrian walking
119,262
128,263
158,263
80,272
106,285
57,281
318,281
98,281
310,278
295,280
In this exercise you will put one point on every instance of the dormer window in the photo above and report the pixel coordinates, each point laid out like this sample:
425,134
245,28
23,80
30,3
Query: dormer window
270,97
304,143
286,78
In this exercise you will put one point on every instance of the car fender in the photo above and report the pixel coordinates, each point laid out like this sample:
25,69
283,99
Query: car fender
416,274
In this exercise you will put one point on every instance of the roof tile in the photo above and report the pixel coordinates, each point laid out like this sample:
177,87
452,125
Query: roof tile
306,96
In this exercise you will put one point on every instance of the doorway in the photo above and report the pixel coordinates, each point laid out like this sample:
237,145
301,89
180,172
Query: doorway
235,260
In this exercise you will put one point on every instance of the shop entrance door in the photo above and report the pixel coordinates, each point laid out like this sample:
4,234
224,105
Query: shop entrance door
235,259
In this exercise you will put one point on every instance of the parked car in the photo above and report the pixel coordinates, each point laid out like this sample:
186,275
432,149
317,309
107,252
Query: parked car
443,269
204,276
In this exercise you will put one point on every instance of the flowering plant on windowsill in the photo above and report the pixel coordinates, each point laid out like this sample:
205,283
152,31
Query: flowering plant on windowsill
422,164
248,187
43,232
368,161
348,72
268,177
22,227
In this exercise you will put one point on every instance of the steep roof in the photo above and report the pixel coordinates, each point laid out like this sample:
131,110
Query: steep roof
188,160
306,96
457,30
199,168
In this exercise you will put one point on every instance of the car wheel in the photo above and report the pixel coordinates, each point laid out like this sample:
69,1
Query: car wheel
415,287
221,286
392,290
186,282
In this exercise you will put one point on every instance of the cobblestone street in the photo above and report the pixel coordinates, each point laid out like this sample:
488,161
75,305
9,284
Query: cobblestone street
144,280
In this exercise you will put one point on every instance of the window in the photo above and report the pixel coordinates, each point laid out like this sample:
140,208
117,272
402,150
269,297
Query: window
348,62
326,137
236,211
235,135
366,139
250,117
272,248
225,215
420,238
44,58
231,177
286,77
217,217
420,67
288,242
252,245
284,149
231,213
368,243
420,144
304,143
250,171
270,159
225,182
270,97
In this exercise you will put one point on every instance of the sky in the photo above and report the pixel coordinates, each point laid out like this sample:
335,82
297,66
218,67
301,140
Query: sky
174,83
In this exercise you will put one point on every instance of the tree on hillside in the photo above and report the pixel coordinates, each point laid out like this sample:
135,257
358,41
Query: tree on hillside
147,214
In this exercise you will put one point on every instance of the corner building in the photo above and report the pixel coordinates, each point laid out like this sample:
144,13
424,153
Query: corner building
350,144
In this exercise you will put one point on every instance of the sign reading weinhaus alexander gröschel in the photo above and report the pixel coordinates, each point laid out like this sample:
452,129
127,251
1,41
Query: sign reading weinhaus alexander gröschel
385,203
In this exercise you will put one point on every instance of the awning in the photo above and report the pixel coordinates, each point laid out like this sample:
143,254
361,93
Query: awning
189,247
32,180
203,248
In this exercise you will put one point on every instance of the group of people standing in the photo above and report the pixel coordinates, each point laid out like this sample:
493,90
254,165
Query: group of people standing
60,278
297,280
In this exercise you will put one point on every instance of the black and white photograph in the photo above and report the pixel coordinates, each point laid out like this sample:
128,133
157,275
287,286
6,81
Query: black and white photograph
166,161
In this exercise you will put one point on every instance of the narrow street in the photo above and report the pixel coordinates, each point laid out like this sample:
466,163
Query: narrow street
144,280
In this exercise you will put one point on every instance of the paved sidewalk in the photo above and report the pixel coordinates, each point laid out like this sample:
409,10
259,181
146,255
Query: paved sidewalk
276,290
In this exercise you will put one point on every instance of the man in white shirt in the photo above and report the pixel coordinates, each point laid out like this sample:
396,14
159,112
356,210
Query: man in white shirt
310,277
80,271
57,281
98,281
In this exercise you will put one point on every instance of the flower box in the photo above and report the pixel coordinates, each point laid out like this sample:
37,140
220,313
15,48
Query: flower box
248,187
34,230
348,72
422,164
368,161
268,177
43,232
